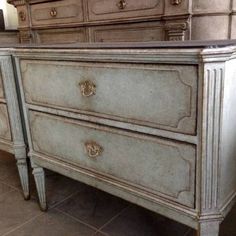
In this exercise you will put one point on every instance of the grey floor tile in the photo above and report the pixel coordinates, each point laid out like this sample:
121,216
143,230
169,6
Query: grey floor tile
136,221
93,206
59,188
5,189
14,211
53,223
8,172
228,226
7,158
100,234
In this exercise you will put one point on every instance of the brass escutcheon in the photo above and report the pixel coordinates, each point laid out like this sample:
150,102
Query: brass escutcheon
87,88
22,15
93,149
122,4
176,2
53,12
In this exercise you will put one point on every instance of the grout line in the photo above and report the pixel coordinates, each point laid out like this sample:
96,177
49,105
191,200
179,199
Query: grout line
19,226
12,190
187,233
76,219
101,232
12,186
18,190
113,218
60,202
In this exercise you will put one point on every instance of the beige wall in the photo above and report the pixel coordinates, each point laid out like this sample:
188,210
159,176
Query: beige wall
10,15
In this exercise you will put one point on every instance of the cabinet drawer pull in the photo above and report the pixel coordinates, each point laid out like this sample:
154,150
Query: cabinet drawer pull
53,12
93,149
176,2
22,16
122,4
87,88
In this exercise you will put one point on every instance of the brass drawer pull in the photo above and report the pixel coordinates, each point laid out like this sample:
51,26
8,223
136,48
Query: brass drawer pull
93,149
122,4
176,2
53,12
22,16
87,88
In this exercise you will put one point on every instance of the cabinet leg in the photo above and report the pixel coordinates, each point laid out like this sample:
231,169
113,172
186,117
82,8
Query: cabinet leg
209,228
22,165
39,177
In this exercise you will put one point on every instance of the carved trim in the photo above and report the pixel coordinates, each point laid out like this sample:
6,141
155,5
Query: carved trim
25,36
17,2
213,87
176,31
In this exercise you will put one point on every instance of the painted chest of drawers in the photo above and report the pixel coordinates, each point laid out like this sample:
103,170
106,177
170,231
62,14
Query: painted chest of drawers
71,21
153,126
11,131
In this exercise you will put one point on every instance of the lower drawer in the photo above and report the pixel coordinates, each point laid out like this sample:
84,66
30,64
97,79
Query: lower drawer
157,166
5,129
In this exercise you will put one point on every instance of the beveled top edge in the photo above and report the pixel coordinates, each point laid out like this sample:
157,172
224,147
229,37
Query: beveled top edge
131,45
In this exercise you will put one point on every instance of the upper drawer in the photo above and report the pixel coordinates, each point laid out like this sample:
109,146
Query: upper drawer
123,9
152,95
57,12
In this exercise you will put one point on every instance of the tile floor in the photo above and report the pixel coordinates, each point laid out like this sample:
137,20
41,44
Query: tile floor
79,210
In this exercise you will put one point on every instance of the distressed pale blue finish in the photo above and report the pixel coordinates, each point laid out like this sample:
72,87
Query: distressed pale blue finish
187,176
11,133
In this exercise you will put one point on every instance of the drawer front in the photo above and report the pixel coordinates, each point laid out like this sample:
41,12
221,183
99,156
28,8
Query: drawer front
57,12
151,95
5,129
124,9
153,165
60,36
128,33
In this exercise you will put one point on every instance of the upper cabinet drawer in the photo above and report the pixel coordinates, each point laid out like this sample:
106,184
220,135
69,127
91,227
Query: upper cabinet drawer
118,9
57,12
151,95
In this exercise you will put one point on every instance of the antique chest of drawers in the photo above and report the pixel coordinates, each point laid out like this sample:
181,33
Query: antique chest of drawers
151,125
11,133
71,21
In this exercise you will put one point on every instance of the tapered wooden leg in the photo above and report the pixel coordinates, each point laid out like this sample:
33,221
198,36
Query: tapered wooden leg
39,177
22,165
209,228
